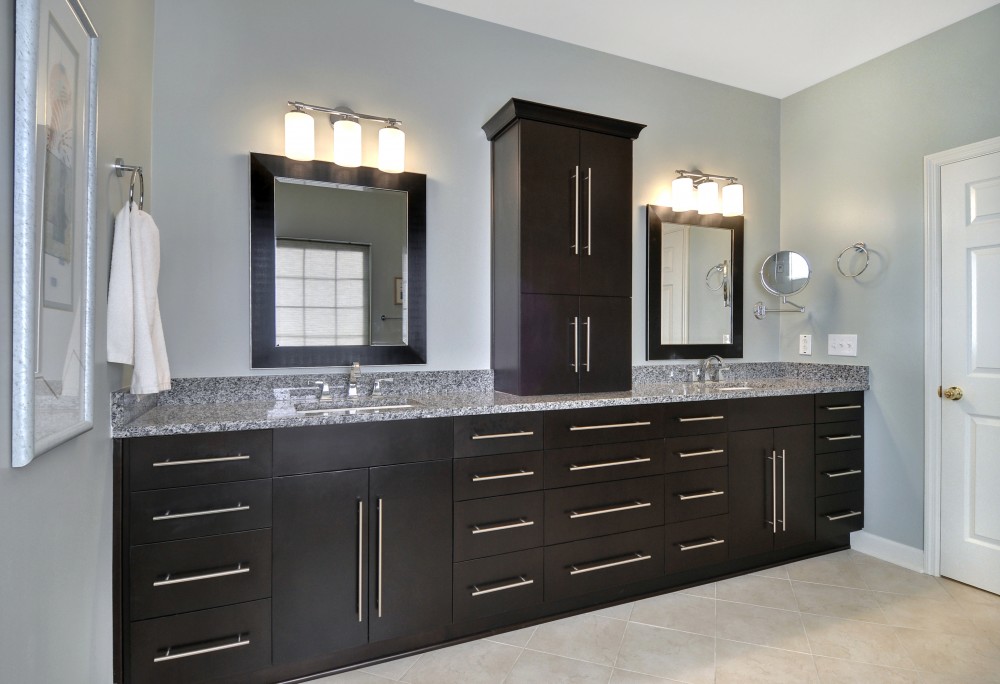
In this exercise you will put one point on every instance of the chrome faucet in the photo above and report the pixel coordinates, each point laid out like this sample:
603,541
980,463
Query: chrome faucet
352,379
324,390
706,366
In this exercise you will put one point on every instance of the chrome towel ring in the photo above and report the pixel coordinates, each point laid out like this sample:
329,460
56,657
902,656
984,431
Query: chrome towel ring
120,168
859,247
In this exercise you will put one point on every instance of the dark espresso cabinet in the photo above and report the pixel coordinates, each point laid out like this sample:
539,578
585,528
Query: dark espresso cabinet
562,250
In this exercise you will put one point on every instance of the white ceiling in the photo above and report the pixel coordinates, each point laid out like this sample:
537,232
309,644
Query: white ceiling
774,47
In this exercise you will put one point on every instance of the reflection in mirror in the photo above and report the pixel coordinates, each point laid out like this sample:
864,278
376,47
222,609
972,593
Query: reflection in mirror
337,264
694,288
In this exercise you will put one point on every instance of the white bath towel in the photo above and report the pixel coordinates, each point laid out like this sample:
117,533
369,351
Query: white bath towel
135,333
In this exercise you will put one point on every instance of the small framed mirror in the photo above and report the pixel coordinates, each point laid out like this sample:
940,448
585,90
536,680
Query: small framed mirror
694,283
783,274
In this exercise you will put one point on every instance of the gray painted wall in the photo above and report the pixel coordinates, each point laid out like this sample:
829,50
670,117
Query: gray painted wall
221,93
852,153
55,514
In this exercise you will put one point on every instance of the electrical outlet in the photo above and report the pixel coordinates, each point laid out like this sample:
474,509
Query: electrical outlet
842,345
806,345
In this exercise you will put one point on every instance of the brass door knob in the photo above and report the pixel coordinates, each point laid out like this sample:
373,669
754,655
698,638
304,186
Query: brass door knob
953,393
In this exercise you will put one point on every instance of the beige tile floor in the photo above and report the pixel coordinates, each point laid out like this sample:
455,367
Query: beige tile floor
841,618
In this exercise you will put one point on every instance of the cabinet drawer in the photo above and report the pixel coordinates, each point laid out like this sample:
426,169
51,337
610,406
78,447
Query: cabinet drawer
201,646
695,417
165,514
765,412
584,465
181,460
498,584
840,406
494,475
840,471
488,527
598,509
700,451
500,433
839,514
180,576
847,436
697,494
582,427
697,543
593,564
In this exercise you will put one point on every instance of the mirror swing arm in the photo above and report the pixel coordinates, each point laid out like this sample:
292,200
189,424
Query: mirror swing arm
759,310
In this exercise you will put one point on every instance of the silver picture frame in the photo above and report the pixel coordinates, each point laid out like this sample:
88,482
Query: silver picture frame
55,148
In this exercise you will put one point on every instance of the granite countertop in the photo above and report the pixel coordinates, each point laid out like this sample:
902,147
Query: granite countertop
200,411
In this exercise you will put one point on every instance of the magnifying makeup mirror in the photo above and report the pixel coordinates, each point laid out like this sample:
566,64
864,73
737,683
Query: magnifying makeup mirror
783,274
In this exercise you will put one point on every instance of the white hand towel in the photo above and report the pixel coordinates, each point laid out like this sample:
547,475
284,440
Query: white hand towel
135,333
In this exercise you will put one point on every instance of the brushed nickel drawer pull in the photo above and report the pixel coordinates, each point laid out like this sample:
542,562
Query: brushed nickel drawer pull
610,464
696,419
381,508
169,655
521,522
842,473
502,476
609,426
614,509
199,461
361,560
522,582
636,557
691,547
706,452
170,579
840,438
701,495
505,435
849,514
844,407
194,514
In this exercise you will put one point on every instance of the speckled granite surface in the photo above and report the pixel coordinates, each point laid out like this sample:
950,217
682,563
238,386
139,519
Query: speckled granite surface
229,404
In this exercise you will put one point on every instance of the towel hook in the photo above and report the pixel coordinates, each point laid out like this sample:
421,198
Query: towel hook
120,168
859,247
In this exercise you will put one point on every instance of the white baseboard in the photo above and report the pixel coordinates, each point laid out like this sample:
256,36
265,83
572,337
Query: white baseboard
885,549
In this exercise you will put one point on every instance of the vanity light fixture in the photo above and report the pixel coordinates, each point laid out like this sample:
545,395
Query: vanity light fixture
300,137
707,202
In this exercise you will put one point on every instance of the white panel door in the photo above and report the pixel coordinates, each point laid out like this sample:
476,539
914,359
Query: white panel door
673,284
970,360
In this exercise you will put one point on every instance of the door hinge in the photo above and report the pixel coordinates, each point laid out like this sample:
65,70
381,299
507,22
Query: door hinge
939,391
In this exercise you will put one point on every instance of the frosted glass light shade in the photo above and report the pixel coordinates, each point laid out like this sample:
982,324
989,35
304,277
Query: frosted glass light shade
708,198
346,143
391,149
682,190
732,200
300,136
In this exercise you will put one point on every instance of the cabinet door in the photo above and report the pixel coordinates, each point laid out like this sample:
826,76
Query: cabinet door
797,479
319,560
606,215
752,503
549,344
550,191
605,344
411,543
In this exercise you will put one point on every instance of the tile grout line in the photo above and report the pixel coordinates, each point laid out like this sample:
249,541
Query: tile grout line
513,665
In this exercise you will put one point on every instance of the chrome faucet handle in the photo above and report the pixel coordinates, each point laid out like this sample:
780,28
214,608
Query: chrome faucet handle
324,389
352,379
377,389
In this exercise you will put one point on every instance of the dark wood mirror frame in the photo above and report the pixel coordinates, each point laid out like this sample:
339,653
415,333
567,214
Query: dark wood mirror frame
656,216
264,168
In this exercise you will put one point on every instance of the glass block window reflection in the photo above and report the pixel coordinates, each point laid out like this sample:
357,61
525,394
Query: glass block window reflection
321,293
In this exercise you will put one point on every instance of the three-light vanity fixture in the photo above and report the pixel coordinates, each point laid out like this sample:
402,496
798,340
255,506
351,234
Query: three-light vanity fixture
300,136
707,200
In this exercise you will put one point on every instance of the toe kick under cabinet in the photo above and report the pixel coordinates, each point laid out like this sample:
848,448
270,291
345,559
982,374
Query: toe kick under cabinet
271,555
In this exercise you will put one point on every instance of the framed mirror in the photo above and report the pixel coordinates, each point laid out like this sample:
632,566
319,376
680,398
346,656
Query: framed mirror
785,273
694,284
337,264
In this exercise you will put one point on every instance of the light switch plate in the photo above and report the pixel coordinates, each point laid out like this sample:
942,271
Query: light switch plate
806,345
842,345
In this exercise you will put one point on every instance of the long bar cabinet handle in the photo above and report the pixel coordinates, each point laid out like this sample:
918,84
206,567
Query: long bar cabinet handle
170,578
576,211
381,506
701,495
691,547
200,461
590,178
610,464
843,407
696,419
773,458
609,426
849,514
576,344
522,582
361,560
784,509
635,557
502,476
613,509
843,473
505,435
586,357
195,650
840,438
521,522
706,452
194,514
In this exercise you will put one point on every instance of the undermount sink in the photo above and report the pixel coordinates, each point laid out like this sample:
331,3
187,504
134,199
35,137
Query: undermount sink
355,405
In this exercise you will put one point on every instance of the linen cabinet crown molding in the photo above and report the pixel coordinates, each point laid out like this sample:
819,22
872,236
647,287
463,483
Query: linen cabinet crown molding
534,111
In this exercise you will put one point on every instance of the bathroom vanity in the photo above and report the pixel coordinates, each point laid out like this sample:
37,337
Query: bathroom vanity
255,547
